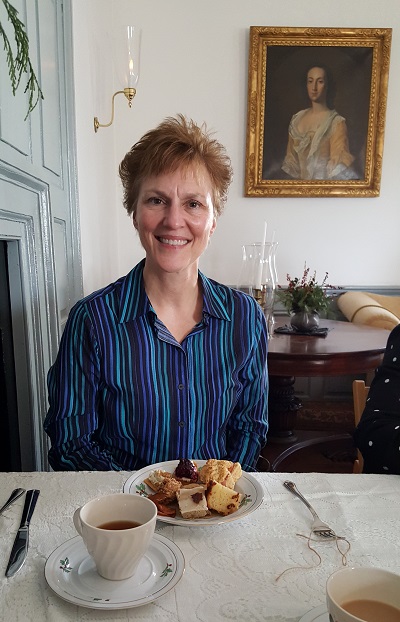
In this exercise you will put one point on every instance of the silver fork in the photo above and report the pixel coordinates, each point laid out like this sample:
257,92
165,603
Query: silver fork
16,494
318,527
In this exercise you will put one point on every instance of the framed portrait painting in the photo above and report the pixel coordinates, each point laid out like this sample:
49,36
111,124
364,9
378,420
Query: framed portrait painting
316,111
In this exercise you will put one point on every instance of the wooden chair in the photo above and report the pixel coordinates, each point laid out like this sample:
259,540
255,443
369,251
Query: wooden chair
360,394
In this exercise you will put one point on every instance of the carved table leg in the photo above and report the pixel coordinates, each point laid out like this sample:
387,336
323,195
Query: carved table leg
282,409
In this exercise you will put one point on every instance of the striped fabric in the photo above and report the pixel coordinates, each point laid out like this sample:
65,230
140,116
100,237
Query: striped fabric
123,393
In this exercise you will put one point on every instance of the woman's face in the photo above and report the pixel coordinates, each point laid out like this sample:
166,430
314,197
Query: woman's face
175,218
316,85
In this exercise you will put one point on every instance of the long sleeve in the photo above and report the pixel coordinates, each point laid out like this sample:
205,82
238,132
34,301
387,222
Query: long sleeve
248,425
73,383
378,433
340,159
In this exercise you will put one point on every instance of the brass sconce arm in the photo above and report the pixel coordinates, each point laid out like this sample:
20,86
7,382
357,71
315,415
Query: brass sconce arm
129,94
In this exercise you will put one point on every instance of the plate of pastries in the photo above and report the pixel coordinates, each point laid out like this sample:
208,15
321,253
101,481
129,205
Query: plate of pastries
197,492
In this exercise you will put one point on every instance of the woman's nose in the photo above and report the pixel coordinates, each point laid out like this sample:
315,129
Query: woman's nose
174,215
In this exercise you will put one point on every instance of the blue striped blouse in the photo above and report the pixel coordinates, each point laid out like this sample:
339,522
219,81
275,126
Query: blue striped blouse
123,393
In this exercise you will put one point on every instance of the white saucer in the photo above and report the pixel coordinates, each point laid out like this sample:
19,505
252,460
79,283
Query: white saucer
319,614
72,575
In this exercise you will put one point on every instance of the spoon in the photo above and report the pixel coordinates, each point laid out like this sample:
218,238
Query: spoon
16,494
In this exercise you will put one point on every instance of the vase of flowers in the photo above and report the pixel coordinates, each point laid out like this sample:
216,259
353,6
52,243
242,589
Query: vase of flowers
304,299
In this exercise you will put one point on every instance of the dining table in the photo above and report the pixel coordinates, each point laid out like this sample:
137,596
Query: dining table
346,349
263,566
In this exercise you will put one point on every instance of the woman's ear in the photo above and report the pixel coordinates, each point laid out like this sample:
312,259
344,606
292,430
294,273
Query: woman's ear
213,226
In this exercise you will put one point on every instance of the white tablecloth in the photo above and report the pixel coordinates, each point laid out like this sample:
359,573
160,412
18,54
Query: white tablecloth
230,569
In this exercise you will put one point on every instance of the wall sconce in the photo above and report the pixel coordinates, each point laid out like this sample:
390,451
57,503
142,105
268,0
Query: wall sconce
127,59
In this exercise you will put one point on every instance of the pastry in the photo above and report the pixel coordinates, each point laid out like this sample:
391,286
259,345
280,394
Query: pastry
224,472
192,502
156,479
186,471
163,483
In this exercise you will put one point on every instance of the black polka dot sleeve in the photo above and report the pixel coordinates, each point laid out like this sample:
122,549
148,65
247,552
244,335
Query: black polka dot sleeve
378,433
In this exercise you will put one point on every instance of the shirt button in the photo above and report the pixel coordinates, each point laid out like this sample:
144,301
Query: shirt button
181,424
181,386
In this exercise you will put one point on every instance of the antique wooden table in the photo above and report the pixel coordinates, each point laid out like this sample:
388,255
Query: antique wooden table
347,349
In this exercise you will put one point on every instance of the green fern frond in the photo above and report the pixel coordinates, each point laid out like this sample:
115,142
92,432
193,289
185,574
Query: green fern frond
20,63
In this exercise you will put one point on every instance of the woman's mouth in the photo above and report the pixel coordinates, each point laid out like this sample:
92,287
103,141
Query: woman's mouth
172,241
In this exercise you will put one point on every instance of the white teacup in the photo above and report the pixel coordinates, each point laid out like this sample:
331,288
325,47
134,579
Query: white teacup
117,530
363,594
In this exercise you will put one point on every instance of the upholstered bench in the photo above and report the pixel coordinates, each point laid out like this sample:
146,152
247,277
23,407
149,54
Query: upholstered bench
372,309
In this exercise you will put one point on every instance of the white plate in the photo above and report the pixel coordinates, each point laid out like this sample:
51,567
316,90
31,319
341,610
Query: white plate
247,485
319,614
71,573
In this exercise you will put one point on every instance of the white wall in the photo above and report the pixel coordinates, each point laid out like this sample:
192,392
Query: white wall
194,61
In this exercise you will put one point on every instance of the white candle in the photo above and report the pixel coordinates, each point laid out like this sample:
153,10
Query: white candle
259,268
265,235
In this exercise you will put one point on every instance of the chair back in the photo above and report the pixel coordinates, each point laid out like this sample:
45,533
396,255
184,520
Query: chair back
360,394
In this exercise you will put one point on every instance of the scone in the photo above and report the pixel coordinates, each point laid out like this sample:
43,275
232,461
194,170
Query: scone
222,499
192,502
236,471
224,472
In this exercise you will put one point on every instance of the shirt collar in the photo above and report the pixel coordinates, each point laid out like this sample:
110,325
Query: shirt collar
215,298
135,303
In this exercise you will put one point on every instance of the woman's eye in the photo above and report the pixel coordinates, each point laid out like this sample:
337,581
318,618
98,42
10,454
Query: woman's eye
154,200
194,204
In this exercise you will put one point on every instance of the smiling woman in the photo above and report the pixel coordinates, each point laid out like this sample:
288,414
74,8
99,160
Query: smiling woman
164,363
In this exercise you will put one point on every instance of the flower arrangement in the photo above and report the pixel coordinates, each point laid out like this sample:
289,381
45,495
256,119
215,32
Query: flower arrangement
305,294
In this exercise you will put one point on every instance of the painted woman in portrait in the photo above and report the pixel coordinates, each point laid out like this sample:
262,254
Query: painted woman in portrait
318,146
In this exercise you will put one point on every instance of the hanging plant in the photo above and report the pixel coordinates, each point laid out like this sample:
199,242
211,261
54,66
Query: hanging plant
19,63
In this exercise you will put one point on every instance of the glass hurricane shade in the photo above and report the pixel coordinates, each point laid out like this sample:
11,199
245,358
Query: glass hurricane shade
127,57
257,274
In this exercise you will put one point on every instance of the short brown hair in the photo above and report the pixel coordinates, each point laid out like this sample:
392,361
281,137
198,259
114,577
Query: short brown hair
175,142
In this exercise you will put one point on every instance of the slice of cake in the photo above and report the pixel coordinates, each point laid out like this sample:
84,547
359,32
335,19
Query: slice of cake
192,502
222,499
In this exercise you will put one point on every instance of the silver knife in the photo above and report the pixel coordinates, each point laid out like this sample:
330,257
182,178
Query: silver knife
21,542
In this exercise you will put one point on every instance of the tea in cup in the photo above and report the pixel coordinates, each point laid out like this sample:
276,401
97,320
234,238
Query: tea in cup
363,594
117,530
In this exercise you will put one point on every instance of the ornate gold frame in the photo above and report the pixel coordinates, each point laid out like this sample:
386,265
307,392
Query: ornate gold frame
337,43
